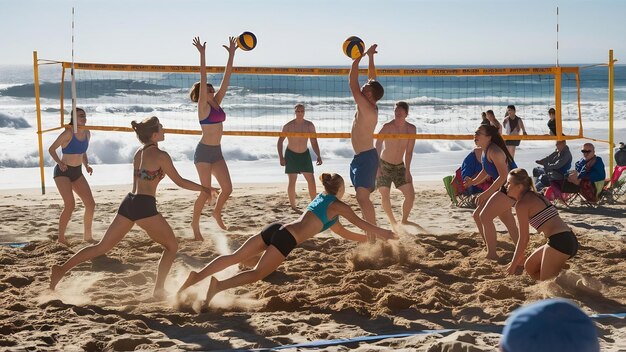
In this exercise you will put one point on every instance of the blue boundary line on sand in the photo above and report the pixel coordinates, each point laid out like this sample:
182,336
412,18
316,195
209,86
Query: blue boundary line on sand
326,343
15,244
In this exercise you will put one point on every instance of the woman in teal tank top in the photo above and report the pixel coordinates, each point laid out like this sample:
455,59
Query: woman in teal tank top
277,240
493,202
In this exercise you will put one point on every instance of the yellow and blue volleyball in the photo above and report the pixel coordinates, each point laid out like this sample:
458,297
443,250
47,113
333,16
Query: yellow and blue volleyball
353,47
246,41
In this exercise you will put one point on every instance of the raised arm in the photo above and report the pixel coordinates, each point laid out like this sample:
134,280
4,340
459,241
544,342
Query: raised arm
314,145
165,162
231,48
371,68
202,100
522,240
359,98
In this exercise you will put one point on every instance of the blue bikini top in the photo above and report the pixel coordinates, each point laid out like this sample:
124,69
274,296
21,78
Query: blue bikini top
215,116
319,207
76,146
491,168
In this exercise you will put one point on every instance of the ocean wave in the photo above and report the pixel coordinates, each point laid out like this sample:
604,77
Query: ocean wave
7,121
85,89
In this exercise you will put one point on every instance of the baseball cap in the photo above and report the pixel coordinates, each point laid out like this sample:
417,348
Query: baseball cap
548,326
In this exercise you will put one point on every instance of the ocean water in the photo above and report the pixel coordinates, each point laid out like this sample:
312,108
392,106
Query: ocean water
449,105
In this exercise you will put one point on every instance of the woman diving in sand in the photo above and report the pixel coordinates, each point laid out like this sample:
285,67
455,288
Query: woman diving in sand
150,164
277,240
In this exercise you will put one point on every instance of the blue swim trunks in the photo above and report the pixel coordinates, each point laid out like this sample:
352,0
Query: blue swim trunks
363,169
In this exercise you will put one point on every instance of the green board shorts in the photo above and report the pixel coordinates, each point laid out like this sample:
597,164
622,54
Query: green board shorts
296,163
391,173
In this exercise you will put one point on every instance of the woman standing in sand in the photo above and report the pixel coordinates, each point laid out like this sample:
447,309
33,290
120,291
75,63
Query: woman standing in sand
535,210
208,157
276,240
493,202
68,174
150,164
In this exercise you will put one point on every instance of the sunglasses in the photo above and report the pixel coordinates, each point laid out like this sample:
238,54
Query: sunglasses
585,151
477,133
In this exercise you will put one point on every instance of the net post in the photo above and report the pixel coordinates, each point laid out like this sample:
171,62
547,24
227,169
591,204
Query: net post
62,97
38,108
611,102
557,102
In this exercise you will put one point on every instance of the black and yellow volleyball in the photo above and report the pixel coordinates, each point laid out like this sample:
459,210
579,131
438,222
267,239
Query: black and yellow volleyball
246,41
353,47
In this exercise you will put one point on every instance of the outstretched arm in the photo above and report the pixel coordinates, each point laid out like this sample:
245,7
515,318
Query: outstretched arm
359,98
232,46
165,162
345,211
347,234
202,102
371,68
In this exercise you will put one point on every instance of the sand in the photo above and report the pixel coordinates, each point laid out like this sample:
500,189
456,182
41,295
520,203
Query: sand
433,277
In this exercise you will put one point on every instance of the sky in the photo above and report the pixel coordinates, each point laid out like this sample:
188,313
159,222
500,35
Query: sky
310,33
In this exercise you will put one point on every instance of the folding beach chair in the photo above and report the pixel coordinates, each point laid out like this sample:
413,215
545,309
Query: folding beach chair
615,190
447,182
459,194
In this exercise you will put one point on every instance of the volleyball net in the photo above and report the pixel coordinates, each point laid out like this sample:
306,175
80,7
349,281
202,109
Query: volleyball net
444,103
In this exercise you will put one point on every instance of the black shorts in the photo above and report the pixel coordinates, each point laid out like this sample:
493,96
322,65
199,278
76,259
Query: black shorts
564,242
138,206
72,172
513,142
278,236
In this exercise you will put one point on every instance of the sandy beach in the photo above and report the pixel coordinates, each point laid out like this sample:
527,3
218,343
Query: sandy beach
434,277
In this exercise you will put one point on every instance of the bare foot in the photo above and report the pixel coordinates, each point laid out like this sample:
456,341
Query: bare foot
159,294
90,240
63,241
55,276
191,279
218,218
197,236
211,292
492,257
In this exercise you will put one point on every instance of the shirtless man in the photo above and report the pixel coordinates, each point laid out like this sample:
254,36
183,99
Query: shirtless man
392,167
364,165
297,158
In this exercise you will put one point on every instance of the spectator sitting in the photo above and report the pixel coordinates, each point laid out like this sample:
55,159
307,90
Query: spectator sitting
620,155
549,325
554,167
470,167
588,170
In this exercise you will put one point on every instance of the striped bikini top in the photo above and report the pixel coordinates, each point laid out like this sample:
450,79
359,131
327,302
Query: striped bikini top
544,215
